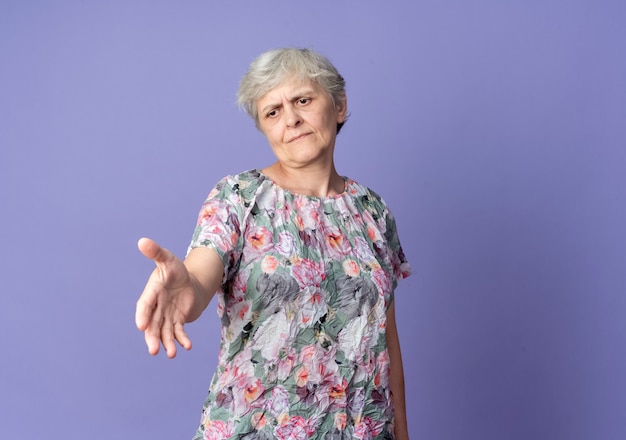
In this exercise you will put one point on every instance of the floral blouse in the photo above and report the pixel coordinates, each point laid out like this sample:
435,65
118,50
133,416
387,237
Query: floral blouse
307,283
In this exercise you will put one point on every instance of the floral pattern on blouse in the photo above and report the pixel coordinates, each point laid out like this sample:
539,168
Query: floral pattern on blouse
307,283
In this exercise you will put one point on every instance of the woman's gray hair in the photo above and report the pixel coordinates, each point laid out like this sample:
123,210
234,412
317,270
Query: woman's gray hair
271,68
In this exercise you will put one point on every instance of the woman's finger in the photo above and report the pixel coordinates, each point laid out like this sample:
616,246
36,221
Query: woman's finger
151,249
144,309
148,247
152,333
167,338
181,336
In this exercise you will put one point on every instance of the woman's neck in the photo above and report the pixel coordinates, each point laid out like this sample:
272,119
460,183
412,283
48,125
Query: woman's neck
316,182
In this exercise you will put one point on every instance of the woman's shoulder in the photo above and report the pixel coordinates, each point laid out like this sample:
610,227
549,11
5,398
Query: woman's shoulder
245,178
244,184
365,196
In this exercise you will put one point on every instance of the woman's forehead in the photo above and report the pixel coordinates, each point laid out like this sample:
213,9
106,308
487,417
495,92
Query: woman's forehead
291,87
293,82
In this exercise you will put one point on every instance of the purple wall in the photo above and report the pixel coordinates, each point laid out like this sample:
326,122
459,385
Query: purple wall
495,130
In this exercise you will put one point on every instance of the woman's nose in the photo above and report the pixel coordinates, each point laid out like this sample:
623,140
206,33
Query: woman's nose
293,118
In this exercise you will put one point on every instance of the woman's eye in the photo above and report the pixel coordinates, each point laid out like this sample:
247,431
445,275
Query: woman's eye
272,113
303,100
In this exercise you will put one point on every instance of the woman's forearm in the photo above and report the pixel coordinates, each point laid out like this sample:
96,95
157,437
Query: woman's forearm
205,270
396,380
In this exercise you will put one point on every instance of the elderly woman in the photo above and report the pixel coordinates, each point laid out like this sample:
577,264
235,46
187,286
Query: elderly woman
304,263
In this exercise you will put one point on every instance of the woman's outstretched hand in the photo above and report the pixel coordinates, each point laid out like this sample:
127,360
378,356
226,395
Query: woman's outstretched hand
166,302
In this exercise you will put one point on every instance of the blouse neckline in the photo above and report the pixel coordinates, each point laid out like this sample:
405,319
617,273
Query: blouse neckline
295,194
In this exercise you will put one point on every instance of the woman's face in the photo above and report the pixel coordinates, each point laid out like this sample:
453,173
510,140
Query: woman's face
300,120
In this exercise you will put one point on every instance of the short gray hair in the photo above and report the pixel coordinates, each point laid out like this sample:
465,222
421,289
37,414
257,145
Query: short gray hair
271,68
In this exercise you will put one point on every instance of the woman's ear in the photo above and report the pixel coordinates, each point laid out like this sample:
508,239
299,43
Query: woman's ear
341,104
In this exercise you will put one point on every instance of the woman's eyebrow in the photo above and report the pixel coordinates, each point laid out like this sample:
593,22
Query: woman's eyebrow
302,92
269,106
297,94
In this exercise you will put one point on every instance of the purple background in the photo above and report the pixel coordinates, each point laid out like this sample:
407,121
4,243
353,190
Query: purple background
495,130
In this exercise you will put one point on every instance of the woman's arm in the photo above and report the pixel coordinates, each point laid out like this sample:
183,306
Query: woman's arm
206,270
176,293
396,376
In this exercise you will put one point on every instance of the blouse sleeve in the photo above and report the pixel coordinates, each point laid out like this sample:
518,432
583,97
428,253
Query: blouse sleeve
399,264
219,225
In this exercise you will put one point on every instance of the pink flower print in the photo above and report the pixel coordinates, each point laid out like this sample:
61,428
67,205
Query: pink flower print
330,393
224,398
361,431
299,223
405,270
362,251
336,241
352,187
220,307
357,403
318,363
368,428
311,239
258,420
243,367
302,376
280,401
248,393
269,264
382,365
373,233
286,363
341,420
381,279
338,390
311,307
307,220
239,284
214,221
224,241
351,268
344,212
241,310
239,315
307,214
309,355
365,365
208,213
294,428
218,430
308,272
286,245
223,380
306,395
382,400
281,214
259,238
321,397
